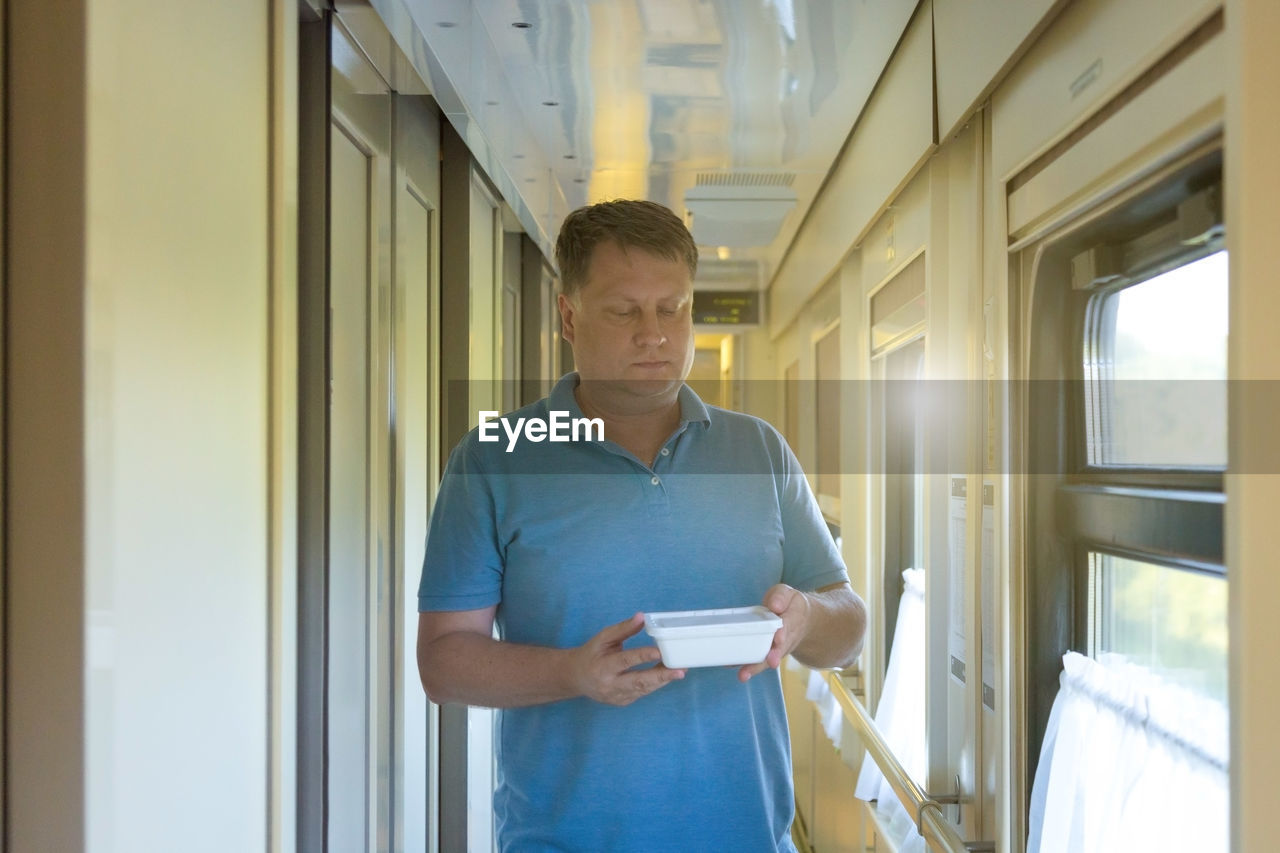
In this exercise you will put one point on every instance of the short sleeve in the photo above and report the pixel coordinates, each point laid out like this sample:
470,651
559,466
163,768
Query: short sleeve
809,554
462,569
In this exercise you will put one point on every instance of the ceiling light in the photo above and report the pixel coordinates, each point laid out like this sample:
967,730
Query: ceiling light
522,25
722,253
551,103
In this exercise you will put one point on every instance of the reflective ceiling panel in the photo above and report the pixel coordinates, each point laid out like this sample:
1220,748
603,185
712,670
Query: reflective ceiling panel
745,102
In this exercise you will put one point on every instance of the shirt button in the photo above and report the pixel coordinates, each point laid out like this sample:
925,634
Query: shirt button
654,481
666,451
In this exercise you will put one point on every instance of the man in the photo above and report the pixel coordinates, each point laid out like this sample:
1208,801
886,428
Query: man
681,506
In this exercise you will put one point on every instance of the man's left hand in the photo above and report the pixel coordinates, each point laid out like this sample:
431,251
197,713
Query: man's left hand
794,607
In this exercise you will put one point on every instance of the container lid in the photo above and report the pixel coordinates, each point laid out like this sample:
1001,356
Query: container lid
678,624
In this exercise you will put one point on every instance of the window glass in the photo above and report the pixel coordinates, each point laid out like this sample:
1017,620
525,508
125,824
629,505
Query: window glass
1158,375
1172,622
902,448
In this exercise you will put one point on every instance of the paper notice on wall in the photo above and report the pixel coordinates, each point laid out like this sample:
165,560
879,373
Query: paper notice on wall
988,595
956,576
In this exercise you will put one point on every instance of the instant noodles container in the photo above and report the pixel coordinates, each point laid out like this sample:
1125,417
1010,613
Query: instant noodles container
731,637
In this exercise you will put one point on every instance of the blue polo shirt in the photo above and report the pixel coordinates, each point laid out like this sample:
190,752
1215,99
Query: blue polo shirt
569,537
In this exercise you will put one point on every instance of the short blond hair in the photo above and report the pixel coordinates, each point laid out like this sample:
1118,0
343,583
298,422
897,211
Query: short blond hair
629,223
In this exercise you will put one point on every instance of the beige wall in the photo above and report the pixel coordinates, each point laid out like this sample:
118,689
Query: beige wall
177,294
153,486
1252,187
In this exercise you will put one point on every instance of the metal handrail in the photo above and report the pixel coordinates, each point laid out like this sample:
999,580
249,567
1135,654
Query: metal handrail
930,820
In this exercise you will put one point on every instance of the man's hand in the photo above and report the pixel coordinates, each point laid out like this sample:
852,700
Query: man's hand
605,672
795,608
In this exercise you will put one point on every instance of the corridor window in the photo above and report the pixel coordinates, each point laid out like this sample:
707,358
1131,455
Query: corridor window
1171,622
1156,367
1127,423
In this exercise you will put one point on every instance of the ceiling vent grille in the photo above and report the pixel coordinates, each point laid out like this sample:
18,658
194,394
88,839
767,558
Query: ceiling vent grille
745,179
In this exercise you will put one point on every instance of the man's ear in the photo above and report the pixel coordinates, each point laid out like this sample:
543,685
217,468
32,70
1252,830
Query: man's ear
567,314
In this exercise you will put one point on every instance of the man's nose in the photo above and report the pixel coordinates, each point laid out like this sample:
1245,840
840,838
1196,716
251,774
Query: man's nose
649,333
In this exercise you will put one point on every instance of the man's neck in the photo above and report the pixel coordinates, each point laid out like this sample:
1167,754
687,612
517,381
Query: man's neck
640,429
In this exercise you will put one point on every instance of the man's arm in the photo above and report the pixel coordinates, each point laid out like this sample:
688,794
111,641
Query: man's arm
821,629
460,661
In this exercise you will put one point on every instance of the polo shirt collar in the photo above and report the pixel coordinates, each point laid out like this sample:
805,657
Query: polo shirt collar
561,399
692,409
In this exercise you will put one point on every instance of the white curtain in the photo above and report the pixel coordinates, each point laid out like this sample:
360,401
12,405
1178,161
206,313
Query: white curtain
1129,763
900,717
828,706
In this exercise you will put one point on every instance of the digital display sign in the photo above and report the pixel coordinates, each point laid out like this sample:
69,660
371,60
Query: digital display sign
726,307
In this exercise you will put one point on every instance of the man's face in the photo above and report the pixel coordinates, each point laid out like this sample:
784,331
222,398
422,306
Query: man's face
631,325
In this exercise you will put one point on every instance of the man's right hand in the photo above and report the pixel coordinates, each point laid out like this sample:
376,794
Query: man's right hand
605,672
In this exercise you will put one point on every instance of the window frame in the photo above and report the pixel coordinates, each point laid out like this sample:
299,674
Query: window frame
1169,515
1095,352
903,437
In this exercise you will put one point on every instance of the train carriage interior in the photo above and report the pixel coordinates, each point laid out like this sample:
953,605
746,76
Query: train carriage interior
1001,274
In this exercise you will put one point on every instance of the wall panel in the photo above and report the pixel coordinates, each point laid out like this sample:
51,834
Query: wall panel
1180,110
44,539
1252,178
1095,49
3,89
352,517
417,313
855,449
900,232
176,571
283,449
974,41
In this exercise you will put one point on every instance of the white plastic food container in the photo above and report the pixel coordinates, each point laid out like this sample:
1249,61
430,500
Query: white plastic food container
731,637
